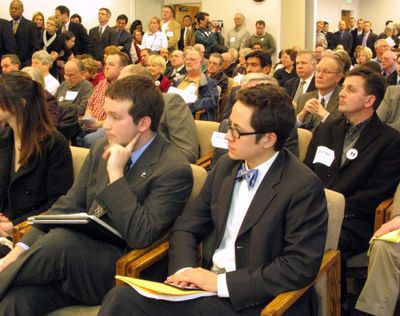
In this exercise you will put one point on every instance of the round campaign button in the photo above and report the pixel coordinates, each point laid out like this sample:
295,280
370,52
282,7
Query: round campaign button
352,154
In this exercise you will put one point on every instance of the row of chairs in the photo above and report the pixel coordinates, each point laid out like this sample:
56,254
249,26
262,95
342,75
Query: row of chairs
327,283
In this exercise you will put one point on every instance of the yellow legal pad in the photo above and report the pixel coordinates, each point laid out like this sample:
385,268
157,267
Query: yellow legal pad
162,291
393,236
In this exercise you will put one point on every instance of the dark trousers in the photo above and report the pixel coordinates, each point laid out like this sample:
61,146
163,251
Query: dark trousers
125,301
62,268
354,239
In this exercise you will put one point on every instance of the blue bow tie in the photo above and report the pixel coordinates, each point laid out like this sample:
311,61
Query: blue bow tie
249,175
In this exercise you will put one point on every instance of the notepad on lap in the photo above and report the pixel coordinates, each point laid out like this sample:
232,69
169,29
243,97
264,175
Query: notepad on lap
82,222
393,236
161,291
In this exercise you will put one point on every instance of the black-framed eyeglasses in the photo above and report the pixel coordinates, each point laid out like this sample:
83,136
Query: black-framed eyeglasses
236,134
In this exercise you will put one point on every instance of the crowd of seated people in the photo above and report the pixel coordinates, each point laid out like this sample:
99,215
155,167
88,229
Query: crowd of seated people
132,92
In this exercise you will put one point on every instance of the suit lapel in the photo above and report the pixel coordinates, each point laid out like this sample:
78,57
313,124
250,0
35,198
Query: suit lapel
367,136
143,167
333,101
264,195
338,141
224,203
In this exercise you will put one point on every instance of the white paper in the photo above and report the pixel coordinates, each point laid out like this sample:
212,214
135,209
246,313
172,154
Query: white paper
324,156
186,96
71,95
218,140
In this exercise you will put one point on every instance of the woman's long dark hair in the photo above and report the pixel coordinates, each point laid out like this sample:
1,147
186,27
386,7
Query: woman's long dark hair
24,98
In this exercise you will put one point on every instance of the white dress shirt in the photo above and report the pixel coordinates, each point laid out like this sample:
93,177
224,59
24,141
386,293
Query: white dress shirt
224,257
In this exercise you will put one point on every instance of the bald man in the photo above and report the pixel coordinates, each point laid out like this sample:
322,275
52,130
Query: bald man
343,37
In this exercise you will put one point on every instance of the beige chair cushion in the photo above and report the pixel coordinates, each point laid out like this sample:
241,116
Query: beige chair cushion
78,157
304,140
205,129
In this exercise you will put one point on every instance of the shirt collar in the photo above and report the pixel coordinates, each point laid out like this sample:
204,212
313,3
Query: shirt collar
138,152
327,96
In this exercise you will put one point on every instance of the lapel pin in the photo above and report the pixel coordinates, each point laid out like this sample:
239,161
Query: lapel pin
143,175
352,154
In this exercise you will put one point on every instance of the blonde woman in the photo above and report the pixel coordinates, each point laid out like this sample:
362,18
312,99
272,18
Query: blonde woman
154,39
156,66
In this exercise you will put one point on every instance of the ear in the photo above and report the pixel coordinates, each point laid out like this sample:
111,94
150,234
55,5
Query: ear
370,100
269,140
144,124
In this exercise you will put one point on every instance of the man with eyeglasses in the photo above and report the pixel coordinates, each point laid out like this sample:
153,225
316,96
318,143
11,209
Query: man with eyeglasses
389,109
358,156
261,215
314,107
75,91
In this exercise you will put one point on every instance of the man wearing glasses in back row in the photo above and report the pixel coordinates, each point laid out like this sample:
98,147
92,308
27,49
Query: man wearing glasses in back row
314,107
261,215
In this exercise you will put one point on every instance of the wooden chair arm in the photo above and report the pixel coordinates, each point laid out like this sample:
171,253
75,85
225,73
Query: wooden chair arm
137,260
331,265
198,114
205,161
20,230
381,214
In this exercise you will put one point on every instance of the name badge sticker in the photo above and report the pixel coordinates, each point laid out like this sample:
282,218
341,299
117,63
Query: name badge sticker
352,154
324,156
232,39
71,95
170,34
218,140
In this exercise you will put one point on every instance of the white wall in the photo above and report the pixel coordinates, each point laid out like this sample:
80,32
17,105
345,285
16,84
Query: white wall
369,9
330,10
86,8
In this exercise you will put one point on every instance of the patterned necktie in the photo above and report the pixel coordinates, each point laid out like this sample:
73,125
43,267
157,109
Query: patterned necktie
128,166
15,26
249,175
323,102
100,30
299,91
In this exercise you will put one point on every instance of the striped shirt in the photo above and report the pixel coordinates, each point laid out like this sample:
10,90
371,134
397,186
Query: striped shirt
96,100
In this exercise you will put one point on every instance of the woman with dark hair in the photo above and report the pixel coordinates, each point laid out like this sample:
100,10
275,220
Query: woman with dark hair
76,18
288,69
36,163
67,41
136,26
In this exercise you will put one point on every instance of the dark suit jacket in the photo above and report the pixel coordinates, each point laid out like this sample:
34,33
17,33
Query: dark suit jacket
329,39
332,107
108,37
369,178
35,187
150,187
124,39
392,78
230,101
27,40
346,41
292,84
82,40
372,38
280,242
142,205
7,41
170,71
